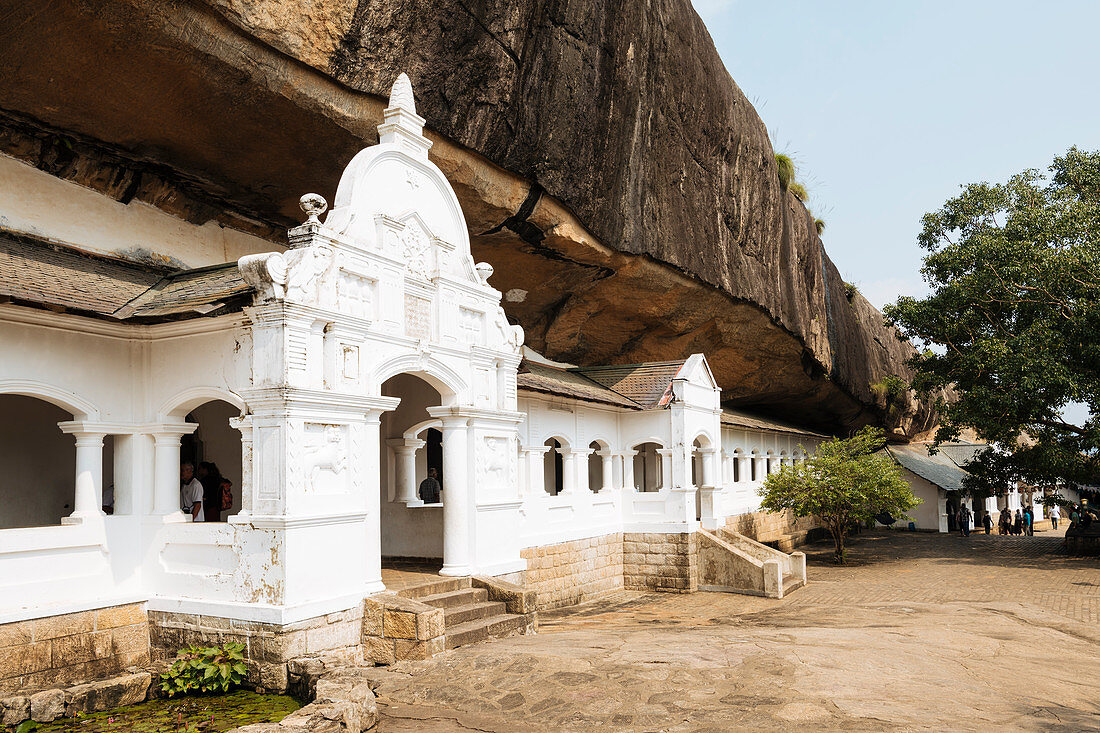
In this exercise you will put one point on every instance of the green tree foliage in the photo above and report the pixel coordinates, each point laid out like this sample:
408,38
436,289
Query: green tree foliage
1014,270
846,482
205,669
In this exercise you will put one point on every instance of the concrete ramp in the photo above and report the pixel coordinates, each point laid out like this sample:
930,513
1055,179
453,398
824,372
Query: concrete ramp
732,563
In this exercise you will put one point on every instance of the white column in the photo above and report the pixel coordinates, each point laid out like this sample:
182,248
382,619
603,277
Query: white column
708,468
744,470
88,499
244,426
536,481
627,474
761,468
405,471
456,513
569,470
608,459
372,472
666,467
166,470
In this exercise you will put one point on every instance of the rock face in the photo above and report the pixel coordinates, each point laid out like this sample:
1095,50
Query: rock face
611,170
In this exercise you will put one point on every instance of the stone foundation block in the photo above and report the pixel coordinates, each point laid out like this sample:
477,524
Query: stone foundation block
47,706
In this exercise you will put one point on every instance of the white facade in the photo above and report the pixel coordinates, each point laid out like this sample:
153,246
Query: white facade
374,329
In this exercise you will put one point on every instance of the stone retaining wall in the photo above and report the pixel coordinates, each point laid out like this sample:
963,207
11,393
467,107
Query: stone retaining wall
396,628
666,562
783,530
573,572
73,647
267,646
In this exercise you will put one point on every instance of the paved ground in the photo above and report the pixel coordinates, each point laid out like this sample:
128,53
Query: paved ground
919,632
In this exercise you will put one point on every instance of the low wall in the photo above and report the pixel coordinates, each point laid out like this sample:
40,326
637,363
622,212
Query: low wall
782,530
666,562
268,647
574,572
72,647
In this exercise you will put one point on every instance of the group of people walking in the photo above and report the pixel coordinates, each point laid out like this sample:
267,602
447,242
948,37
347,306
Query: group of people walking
1022,523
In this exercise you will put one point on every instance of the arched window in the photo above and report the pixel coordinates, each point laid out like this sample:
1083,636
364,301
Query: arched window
648,467
596,478
214,453
553,468
38,462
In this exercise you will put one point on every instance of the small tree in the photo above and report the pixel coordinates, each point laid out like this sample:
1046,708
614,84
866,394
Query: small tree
844,482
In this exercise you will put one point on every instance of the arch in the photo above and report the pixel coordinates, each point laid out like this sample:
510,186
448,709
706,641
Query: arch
703,439
656,441
445,380
553,467
420,427
648,465
187,400
603,444
562,441
80,408
595,468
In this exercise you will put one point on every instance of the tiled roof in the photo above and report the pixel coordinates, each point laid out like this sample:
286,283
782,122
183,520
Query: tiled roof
38,272
962,453
739,419
649,385
938,469
548,379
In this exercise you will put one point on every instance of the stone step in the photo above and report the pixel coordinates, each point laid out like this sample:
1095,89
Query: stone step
791,583
434,587
485,628
455,615
460,597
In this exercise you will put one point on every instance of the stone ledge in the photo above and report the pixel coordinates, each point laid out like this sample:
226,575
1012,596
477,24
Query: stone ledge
90,697
341,699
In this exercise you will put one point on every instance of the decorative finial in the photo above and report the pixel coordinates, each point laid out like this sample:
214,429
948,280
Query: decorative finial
313,204
484,270
401,95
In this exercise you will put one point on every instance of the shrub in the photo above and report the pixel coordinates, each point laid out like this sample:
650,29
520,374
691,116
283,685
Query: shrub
799,191
850,291
200,669
786,169
890,389
819,225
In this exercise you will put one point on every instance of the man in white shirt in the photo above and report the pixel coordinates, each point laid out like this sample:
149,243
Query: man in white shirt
1055,515
191,493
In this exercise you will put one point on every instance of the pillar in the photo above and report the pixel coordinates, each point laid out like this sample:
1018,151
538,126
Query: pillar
608,459
744,468
372,499
88,499
569,470
166,469
666,467
456,512
627,474
536,481
708,467
404,450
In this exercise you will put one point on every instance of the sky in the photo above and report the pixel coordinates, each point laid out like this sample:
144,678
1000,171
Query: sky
888,107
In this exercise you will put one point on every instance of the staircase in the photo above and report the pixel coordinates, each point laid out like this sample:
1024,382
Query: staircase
731,562
469,614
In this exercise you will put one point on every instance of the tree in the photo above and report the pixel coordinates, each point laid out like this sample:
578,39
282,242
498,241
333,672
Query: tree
845,482
1014,322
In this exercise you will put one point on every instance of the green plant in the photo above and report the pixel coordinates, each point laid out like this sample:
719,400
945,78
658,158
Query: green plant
786,169
819,226
799,191
200,669
890,389
850,291
845,483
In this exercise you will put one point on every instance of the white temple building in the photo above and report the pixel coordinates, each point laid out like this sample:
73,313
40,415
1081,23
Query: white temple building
324,380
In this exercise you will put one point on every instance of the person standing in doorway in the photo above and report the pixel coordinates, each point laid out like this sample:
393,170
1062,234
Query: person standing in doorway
190,492
964,520
1055,515
211,479
429,488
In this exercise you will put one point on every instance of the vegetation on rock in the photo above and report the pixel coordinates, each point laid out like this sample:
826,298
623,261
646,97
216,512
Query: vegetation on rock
205,669
786,169
1014,319
846,482
819,227
799,191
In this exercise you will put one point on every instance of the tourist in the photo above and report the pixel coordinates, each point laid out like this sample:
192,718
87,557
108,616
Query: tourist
190,492
964,520
429,488
1004,522
211,479
1029,521
987,522
1055,515
226,494
1018,524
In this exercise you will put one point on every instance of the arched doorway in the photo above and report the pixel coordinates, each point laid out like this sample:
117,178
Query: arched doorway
214,452
39,463
411,446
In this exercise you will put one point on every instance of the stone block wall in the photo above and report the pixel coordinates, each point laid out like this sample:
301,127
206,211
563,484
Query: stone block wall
573,572
72,647
268,647
396,628
665,562
783,530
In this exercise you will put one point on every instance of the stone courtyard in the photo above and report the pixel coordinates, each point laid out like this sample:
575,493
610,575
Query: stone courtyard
920,631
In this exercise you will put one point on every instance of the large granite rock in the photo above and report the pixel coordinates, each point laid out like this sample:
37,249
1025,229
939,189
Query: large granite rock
610,168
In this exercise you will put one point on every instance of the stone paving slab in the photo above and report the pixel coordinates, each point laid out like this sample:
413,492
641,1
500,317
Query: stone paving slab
921,632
